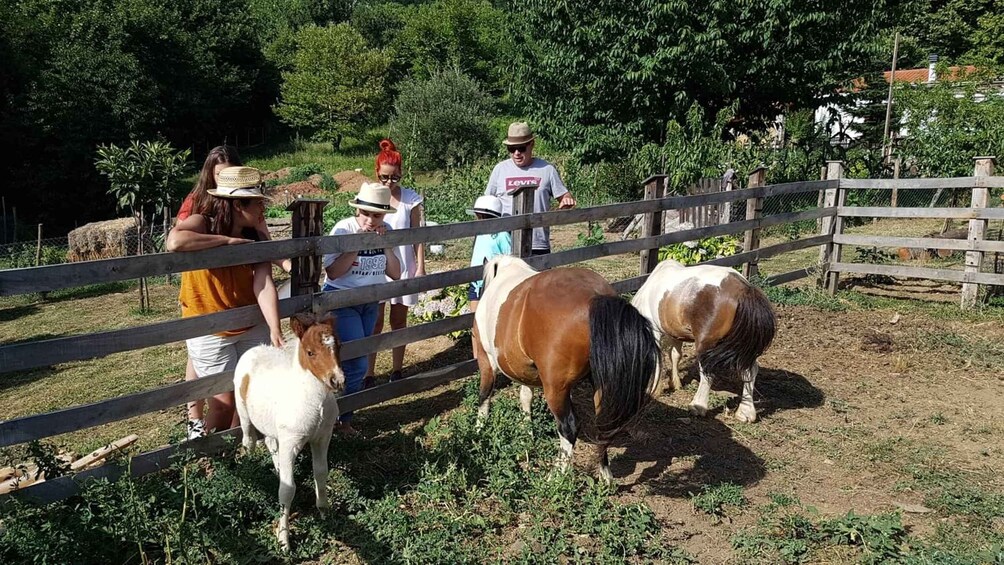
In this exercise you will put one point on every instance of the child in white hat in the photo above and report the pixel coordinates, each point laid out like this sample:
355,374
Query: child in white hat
488,245
357,269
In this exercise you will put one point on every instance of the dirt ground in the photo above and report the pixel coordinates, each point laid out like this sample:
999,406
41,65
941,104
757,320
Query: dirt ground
851,404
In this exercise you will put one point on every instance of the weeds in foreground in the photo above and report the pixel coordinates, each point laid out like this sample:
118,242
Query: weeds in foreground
788,532
445,493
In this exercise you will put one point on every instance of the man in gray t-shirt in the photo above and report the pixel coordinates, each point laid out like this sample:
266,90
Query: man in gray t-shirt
523,169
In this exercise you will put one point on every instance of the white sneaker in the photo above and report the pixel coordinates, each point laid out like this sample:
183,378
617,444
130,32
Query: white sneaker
196,429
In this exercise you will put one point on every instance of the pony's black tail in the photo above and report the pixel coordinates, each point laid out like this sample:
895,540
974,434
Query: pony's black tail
623,357
751,333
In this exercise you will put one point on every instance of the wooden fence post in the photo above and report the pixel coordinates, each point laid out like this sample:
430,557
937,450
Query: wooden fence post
896,164
754,211
834,171
38,247
974,259
833,277
307,221
522,203
652,222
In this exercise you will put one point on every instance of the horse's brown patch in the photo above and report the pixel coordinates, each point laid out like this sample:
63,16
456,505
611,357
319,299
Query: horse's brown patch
700,314
245,382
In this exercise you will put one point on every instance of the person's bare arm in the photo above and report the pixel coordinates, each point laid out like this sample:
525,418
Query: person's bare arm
190,235
268,301
416,220
393,269
341,265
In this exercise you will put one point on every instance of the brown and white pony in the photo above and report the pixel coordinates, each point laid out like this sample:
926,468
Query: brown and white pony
730,322
288,396
554,328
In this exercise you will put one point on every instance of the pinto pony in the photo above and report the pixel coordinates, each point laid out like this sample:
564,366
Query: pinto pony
288,395
554,328
730,322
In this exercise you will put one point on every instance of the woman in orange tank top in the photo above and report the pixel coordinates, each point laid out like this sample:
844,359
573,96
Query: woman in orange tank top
239,208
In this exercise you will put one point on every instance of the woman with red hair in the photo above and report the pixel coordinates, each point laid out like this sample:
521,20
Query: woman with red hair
408,214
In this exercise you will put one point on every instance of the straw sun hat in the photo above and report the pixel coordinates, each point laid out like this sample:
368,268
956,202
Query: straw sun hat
238,182
519,134
373,197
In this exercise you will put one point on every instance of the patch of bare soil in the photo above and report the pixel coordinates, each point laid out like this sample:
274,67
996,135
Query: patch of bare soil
846,401
350,181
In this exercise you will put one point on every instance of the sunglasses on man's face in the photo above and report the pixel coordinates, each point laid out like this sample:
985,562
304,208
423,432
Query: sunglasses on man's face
389,178
515,148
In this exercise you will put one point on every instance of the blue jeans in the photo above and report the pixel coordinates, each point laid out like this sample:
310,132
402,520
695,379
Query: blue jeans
355,322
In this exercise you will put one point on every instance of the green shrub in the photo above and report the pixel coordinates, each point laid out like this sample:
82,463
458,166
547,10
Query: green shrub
441,304
444,121
691,253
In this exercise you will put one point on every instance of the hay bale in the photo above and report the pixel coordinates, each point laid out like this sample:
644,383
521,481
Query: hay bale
916,253
101,240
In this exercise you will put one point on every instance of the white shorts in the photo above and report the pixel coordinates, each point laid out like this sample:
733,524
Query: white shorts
211,354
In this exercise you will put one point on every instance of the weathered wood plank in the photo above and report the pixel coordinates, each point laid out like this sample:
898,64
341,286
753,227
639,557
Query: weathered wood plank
782,278
31,354
38,426
954,213
55,277
919,242
64,487
405,336
22,356
404,387
918,273
922,184
159,459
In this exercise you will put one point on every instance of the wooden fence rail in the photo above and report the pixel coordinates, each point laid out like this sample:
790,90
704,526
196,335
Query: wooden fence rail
21,356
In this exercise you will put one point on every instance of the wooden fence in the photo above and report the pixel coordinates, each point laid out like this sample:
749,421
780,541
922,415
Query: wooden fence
32,354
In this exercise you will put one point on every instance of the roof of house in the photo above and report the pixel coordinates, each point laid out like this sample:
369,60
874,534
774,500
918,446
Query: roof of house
915,76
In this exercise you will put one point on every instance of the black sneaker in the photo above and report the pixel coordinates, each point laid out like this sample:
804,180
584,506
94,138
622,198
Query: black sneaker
396,376
196,429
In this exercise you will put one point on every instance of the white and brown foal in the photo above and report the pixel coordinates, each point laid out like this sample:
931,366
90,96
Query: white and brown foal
288,396
729,321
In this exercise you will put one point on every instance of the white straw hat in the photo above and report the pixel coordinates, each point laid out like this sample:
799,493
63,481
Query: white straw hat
373,197
238,182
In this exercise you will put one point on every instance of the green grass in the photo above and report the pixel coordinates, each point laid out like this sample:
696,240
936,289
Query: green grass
420,496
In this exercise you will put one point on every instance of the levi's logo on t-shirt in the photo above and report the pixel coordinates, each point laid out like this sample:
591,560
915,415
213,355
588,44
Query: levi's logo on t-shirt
512,184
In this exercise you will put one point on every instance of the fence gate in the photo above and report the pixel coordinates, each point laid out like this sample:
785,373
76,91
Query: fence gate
708,214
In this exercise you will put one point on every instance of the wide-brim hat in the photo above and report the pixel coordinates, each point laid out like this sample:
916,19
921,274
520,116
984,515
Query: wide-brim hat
238,182
519,134
487,205
373,197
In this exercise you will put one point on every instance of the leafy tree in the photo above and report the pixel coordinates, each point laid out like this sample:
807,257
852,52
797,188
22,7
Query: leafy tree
602,73
336,85
947,27
105,71
950,123
444,120
141,175
469,35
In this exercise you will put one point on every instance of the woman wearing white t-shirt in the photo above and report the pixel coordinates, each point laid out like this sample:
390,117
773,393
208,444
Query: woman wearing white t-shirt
357,269
408,215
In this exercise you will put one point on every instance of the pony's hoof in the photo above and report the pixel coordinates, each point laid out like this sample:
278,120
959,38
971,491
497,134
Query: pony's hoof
747,416
606,477
283,536
699,411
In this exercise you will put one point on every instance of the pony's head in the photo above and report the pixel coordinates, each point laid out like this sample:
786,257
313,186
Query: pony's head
500,264
319,351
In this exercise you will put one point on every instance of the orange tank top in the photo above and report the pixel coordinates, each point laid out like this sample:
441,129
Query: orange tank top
216,290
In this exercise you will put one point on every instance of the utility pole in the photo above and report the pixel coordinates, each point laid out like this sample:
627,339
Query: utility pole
887,150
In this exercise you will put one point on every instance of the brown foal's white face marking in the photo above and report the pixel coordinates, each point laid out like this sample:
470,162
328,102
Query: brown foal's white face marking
320,349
